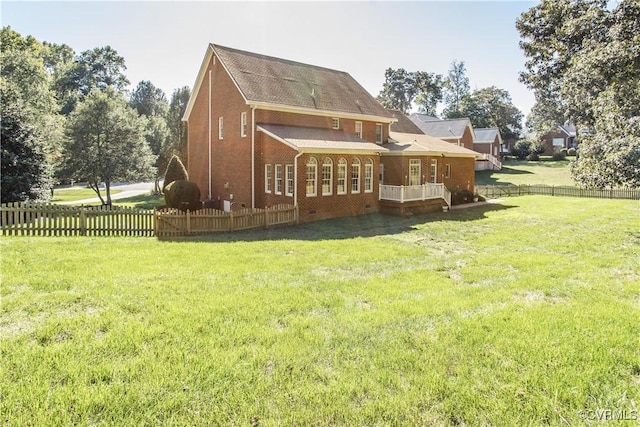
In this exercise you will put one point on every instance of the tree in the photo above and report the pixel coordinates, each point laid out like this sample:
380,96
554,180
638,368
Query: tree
105,142
175,172
149,100
31,129
456,89
151,103
401,88
26,173
177,130
492,107
584,57
98,68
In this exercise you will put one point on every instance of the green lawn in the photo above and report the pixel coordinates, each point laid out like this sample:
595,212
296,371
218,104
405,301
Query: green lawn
518,172
520,313
72,194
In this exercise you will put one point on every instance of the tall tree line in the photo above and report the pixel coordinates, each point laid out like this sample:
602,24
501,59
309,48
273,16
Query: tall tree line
486,107
49,93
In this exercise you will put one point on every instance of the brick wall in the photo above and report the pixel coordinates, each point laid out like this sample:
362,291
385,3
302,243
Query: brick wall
461,172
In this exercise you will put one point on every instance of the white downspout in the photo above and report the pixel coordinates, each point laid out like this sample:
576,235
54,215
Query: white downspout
253,157
295,179
209,191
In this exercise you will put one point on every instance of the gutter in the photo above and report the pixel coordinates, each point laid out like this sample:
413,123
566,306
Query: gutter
253,157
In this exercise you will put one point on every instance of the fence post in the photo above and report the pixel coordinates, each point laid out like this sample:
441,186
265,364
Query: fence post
266,217
230,220
83,221
188,221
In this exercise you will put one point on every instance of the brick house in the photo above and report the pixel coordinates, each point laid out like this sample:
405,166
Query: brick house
488,142
562,137
455,131
264,131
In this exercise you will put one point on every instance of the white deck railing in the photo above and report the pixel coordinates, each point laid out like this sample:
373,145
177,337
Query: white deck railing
409,193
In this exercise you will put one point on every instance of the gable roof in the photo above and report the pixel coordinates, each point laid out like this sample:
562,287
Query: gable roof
401,143
273,82
319,140
486,135
446,129
403,124
569,129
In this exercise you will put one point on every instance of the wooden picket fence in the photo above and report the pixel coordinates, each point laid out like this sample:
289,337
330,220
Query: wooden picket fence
495,191
174,222
47,219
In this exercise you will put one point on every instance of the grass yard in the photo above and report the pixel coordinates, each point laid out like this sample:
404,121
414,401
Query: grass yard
72,194
520,313
519,172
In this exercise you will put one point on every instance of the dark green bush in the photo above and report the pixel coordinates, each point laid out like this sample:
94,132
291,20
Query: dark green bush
183,195
175,171
460,196
560,155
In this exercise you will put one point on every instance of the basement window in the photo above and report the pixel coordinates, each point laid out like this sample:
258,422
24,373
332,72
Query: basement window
335,123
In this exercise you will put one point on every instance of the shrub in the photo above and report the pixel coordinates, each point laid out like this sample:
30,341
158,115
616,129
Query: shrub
533,156
571,152
560,155
175,171
183,195
521,149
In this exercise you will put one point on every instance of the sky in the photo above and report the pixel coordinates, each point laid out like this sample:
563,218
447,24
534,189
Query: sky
165,42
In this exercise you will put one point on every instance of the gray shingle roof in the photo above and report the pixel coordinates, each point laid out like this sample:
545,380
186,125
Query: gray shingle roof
265,79
483,135
404,124
451,128
319,140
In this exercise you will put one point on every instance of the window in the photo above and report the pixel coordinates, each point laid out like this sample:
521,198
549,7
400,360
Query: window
327,176
447,170
312,171
368,176
342,176
220,127
558,142
243,124
378,133
434,170
359,129
278,189
335,123
414,172
289,188
355,176
267,178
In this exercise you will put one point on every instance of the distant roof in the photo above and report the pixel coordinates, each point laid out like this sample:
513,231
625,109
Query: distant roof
450,128
569,129
486,135
404,124
425,144
279,82
306,139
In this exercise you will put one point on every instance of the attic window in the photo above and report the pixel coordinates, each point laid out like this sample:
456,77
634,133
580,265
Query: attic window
335,123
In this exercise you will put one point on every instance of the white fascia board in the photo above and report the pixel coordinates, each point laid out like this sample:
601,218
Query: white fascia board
323,113
319,150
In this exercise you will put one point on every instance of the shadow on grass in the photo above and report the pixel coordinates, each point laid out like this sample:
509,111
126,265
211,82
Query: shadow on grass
369,225
498,177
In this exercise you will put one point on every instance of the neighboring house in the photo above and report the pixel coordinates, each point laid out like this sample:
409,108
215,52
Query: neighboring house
403,123
488,142
455,131
264,131
562,137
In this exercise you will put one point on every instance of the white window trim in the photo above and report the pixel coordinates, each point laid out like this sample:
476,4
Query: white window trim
358,131
355,164
289,180
343,166
315,177
379,141
335,123
330,192
412,164
220,127
267,179
243,124
433,171
277,189
368,169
